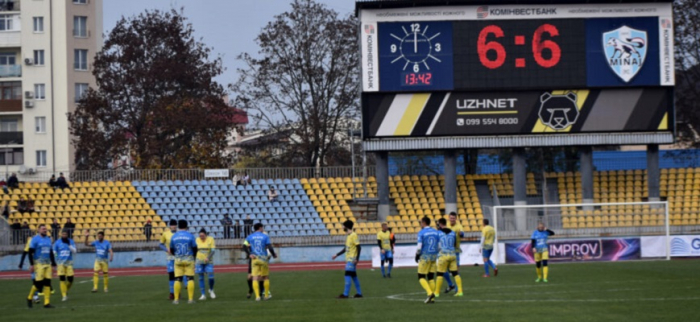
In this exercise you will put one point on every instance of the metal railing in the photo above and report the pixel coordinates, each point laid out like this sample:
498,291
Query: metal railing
197,174
10,70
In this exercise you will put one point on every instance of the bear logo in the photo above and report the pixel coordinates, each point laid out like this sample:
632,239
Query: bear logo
558,111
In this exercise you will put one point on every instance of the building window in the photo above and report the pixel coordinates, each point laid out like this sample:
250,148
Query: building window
80,61
8,125
80,1
40,124
8,59
40,91
39,57
80,27
11,156
41,158
11,90
80,90
6,22
38,24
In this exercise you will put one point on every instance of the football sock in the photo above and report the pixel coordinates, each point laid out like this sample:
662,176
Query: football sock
438,284
357,284
105,276
177,288
256,289
201,283
391,265
261,285
426,286
486,268
250,286
493,266
172,286
267,286
449,280
64,288
432,285
539,272
211,282
69,283
190,289
383,268
348,284
31,292
546,271
458,281
47,295
95,280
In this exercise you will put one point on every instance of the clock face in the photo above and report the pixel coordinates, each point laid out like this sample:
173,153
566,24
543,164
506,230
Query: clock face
415,56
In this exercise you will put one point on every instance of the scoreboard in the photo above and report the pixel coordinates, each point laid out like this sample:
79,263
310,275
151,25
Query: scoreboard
517,69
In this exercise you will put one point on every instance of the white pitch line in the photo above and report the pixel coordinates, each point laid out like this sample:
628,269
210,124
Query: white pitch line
89,280
399,297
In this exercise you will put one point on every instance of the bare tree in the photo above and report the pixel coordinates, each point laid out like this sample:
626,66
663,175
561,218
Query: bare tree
687,44
305,82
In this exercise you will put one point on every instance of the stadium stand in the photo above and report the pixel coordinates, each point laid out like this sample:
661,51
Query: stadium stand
204,203
329,196
113,206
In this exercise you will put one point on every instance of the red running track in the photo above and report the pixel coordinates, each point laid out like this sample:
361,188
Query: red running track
143,271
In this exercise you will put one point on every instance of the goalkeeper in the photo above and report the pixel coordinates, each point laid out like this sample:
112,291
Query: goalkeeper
540,250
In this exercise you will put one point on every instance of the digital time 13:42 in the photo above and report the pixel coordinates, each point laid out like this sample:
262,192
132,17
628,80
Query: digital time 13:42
492,54
416,49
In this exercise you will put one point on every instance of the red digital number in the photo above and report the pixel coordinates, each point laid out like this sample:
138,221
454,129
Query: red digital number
538,45
484,47
428,76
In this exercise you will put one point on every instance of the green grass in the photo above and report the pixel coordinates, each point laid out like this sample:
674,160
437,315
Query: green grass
629,291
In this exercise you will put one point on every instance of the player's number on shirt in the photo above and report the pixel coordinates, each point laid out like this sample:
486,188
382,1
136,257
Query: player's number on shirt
432,244
181,249
258,246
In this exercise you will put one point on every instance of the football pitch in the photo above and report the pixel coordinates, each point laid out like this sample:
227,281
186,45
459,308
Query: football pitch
624,291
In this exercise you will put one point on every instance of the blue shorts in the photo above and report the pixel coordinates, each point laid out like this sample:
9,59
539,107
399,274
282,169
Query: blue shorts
32,276
486,253
171,266
387,255
350,266
204,268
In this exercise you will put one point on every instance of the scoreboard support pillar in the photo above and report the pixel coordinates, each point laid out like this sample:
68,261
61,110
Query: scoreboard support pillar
653,173
450,181
520,188
586,173
382,159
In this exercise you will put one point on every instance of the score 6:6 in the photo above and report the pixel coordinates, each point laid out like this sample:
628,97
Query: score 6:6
538,45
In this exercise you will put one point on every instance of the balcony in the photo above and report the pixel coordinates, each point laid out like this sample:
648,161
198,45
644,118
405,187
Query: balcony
9,5
9,106
10,71
11,138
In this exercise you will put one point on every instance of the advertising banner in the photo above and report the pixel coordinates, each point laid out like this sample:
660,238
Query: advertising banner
681,246
216,173
405,256
616,249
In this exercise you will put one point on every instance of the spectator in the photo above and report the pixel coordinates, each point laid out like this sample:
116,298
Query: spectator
62,183
13,182
272,195
16,232
6,210
148,230
246,179
3,184
237,230
52,181
247,226
55,229
69,227
30,205
22,205
26,232
237,179
226,222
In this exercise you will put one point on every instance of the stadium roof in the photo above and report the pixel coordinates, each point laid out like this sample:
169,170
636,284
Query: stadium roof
377,4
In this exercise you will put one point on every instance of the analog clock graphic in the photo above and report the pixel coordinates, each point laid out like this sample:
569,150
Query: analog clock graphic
415,55
416,47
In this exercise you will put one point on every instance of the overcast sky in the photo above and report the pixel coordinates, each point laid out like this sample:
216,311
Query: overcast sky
229,26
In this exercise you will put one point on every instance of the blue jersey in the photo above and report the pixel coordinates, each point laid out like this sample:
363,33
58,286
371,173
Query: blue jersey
428,238
447,242
258,244
42,249
182,245
540,238
101,250
63,253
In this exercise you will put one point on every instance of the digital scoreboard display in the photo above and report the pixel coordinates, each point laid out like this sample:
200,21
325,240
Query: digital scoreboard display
519,48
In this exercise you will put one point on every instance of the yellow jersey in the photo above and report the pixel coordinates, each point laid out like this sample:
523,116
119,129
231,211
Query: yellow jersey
351,244
385,238
488,235
165,240
204,248
457,228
